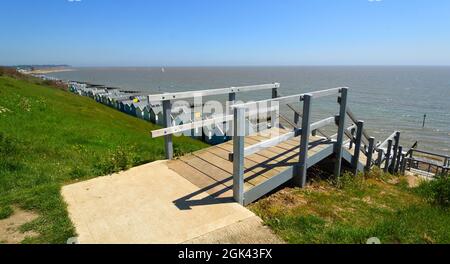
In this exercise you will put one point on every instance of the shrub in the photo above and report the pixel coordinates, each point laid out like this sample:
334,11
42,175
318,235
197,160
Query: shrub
117,161
8,149
9,71
7,145
349,181
56,84
77,173
377,174
436,191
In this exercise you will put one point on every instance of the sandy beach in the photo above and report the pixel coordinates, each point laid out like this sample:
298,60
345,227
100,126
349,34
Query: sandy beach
51,70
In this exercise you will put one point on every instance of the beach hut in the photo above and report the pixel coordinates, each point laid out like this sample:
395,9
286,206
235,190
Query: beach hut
77,88
142,110
156,114
119,102
198,132
101,98
74,87
134,106
112,100
97,93
125,106
215,135
181,118
109,92
104,98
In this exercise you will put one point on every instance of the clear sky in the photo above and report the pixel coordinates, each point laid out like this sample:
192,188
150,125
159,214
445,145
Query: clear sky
225,32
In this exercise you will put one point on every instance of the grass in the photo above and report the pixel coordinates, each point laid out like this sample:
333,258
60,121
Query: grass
436,192
50,137
353,210
5,212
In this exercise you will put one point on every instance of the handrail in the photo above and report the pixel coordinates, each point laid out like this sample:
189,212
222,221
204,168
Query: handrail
412,148
203,123
267,144
291,98
288,121
382,145
348,129
283,138
322,123
430,153
280,139
167,98
444,169
202,93
355,120
300,115
352,116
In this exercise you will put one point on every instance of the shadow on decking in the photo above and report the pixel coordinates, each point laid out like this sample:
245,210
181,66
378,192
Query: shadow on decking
281,160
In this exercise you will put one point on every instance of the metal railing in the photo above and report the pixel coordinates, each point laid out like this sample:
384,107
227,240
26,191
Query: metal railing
299,171
390,153
167,99
433,164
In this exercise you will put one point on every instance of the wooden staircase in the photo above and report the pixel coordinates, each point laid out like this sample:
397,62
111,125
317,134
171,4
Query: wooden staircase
254,164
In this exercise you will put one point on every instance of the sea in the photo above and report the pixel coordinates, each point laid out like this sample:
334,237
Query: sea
386,98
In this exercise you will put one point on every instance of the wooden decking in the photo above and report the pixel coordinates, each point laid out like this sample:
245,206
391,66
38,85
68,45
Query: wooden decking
211,170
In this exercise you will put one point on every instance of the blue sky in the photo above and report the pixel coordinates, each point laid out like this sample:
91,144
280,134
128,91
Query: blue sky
225,32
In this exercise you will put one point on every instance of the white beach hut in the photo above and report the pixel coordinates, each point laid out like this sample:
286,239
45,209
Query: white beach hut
156,114
142,110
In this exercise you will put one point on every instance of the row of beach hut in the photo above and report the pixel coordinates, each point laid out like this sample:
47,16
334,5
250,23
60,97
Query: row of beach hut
137,104
128,102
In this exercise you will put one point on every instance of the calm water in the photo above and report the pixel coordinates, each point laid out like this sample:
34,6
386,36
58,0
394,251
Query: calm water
386,98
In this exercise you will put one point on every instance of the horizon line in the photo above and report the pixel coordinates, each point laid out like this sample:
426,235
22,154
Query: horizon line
227,66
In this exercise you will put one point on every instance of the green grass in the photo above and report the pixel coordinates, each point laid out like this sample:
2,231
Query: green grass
436,192
5,212
353,210
50,137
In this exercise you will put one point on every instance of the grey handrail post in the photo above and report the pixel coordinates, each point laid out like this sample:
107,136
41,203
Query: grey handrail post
395,152
352,132
275,93
232,98
296,119
273,117
357,153
232,101
238,155
341,132
388,156
380,158
399,159
370,154
168,140
403,166
300,177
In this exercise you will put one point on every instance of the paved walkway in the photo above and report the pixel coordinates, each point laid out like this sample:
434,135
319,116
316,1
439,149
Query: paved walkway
154,204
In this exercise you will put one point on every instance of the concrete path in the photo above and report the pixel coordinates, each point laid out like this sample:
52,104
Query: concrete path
153,204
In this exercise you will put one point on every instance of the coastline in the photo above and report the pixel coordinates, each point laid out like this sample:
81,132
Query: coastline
47,71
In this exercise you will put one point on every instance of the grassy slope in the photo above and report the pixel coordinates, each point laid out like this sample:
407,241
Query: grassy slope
380,206
51,137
